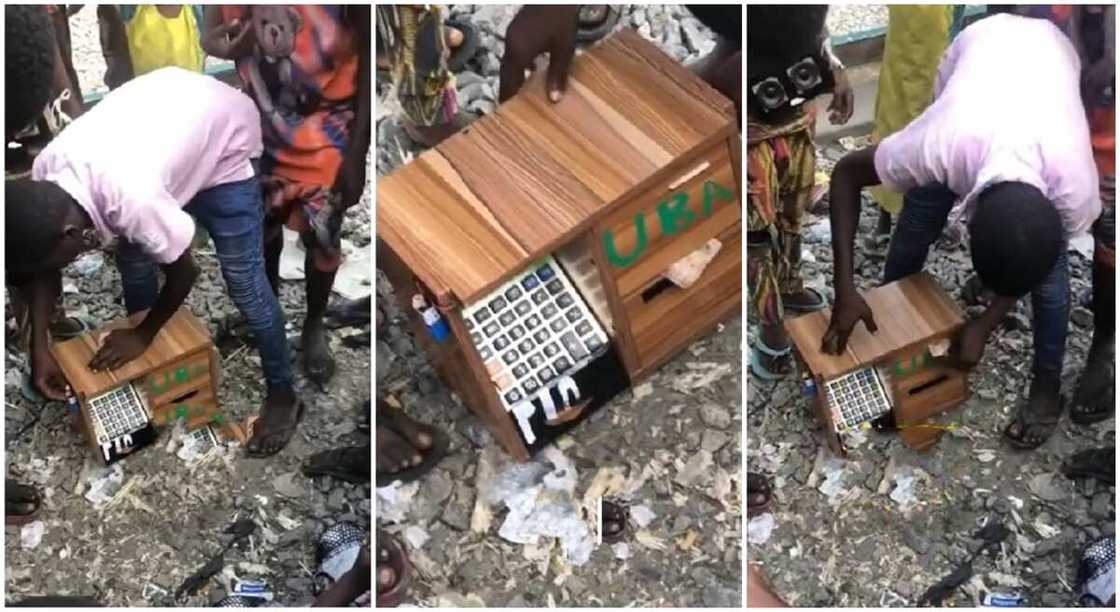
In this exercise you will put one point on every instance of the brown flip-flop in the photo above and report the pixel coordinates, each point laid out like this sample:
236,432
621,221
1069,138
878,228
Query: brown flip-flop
391,553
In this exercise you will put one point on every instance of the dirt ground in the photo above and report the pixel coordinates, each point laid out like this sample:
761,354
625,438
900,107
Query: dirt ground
847,533
167,515
674,440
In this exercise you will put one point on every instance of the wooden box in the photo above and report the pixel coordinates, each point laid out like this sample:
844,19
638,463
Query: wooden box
178,375
912,314
635,168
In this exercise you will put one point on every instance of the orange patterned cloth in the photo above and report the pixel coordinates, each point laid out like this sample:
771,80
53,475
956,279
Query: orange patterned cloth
307,135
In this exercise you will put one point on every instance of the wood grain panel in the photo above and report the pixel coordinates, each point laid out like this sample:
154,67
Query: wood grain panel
663,250
523,180
182,335
909,313
665,323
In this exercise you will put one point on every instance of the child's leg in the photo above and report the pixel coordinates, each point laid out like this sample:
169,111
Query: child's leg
764,256
797,178
1039,416
1093,401
1050,303
925,211
318,359
233,215
139,277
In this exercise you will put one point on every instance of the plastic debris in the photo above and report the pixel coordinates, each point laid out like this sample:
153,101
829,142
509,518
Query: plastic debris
89,264
354,279
541,502
621,550
104,484
903,493
834,470
642,515
417,537
31,534
819,232
759,528
395,501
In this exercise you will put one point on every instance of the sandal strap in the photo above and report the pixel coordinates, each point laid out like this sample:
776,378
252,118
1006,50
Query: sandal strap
761,347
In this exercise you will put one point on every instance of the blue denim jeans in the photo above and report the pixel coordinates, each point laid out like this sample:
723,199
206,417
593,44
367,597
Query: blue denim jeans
924,213
233,215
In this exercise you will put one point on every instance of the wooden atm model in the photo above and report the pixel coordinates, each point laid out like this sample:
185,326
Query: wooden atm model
547,236
893,377
176,378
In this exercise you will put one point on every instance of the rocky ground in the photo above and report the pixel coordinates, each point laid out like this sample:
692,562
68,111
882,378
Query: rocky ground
680,471
854,533
164,517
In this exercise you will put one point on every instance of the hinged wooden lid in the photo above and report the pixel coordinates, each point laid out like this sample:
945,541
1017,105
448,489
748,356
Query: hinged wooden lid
182,335
909,312
520,182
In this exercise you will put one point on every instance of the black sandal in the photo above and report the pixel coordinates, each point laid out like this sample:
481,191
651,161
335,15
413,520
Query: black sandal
21,503
757,485
615,521
596,21
1051,421
286,431
431,456
1099,463
350,464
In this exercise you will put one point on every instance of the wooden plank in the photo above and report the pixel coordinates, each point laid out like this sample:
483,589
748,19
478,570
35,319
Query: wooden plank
525,179
909,312
183,334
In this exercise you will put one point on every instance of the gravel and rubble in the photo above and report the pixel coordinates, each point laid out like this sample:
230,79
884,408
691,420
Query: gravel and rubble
160,517
881,527
679,473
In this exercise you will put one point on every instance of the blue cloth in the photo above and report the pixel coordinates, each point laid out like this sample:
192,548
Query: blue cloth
233,215
925,211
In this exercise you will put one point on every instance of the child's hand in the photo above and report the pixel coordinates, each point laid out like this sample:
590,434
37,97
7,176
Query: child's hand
536,30
968,346
850,309
47,375
231,40
843,100
120,347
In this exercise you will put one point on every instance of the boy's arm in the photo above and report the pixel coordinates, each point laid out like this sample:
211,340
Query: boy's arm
42,295
968,345
853,172
124,345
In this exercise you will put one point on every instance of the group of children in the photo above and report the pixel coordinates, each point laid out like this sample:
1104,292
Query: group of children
170,147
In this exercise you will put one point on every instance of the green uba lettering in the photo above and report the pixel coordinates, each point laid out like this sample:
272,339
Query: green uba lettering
161,383
673,215
186,410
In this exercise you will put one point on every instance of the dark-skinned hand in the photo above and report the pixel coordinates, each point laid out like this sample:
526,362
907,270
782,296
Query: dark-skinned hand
48,376
849,309
535,30
120,347
231,40
843,99
968,346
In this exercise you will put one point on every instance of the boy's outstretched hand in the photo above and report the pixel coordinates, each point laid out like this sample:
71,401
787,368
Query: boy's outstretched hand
968,346
120,347
535,30
849,309
48,376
